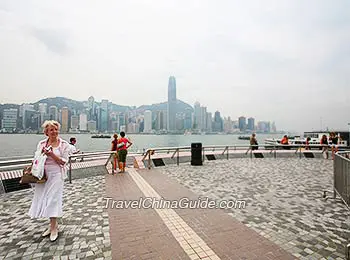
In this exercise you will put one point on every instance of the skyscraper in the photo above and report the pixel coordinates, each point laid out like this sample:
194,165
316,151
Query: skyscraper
197,116
148,121
65,116
251,124
53,113
172,104
218,124
91,107
104,115
83,122
242,123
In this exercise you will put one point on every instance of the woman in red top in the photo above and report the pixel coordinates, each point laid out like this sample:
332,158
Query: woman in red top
123,145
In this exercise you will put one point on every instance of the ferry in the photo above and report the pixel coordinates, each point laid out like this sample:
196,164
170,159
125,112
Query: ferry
315,139
243,137
100,136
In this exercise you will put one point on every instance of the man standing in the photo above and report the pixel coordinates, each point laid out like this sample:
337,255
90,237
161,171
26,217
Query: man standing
254,142
73,149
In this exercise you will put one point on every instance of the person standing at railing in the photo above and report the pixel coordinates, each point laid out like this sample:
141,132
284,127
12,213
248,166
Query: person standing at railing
114,148
73,148
254,142
123,145
324,143
285,141
307,143
48,197
334,140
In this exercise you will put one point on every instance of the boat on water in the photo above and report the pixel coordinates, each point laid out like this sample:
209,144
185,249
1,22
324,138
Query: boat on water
243,137
315,139
101,136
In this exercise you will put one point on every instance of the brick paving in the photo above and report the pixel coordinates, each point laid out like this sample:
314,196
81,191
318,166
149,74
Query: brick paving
228,238
284,200
84,227
137,233
285,217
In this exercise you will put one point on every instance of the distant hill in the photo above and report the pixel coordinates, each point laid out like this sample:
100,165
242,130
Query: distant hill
61,102
81,105
180,107
78,105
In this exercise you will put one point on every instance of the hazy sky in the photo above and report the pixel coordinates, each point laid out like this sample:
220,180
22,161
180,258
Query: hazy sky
283,61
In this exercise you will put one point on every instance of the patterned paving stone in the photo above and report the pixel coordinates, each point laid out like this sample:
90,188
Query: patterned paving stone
283,200
84,227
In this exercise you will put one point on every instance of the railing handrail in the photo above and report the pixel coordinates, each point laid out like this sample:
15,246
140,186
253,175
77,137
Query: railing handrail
341,177
233,146
340,154
13,164
226,148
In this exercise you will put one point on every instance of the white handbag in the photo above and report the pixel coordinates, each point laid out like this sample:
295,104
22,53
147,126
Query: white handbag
38,165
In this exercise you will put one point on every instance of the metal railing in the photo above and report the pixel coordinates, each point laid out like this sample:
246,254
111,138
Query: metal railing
92,156
342,177
225,150
341,184
84,157
18,164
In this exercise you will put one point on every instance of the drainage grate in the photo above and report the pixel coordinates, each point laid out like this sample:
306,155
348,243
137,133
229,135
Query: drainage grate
309,155
210,157
14,185
158,162
258,155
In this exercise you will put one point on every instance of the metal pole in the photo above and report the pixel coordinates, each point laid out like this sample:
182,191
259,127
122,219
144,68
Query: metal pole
149,159
227,151
70,170
177,159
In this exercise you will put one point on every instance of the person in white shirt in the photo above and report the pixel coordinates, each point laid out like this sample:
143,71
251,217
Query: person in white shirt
73,149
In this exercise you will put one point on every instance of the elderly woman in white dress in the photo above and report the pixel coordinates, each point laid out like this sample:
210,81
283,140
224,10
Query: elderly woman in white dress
48,197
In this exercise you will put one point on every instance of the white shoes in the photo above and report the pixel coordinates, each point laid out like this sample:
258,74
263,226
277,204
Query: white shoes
54,236
46,233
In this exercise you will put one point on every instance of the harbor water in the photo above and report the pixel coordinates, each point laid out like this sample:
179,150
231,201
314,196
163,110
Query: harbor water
17,145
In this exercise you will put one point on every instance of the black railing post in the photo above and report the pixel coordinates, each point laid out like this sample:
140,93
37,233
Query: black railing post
70,170
177,158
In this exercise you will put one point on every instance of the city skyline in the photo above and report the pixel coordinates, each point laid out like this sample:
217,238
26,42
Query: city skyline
131,107
286,61
92,116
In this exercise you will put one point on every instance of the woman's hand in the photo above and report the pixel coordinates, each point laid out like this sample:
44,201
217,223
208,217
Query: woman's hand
47,151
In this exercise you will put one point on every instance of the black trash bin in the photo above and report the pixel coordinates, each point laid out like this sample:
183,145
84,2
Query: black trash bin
196,154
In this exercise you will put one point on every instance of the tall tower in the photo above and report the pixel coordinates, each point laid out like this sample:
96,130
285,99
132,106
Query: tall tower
197,116
65,116
104,115
92,107
172,104
148,122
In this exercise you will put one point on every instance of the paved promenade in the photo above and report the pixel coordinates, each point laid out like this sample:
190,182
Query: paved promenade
284,217
284,201
84,228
